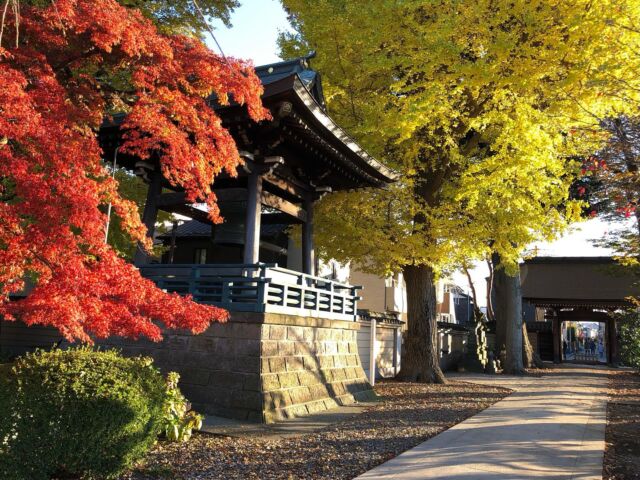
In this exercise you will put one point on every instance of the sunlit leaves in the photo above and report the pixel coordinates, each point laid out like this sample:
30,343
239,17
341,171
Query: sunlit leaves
482,106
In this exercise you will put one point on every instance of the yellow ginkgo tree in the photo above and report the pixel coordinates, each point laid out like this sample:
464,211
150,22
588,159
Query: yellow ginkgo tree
481,106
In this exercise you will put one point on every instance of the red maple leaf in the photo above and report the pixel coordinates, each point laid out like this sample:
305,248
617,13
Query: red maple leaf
52,179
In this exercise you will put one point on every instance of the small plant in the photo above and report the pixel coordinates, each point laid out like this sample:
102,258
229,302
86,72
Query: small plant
179,420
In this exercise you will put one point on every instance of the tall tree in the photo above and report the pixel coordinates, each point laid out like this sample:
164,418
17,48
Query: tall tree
476,104
59,65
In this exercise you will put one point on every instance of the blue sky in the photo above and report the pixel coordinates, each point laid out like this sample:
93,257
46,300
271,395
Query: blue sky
254,32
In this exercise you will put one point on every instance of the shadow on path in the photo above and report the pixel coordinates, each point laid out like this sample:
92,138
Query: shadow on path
552,427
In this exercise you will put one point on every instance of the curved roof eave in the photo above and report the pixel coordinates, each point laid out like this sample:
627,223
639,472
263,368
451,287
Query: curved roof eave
384,173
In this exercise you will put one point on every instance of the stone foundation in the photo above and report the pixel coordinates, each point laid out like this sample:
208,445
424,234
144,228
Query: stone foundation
263,367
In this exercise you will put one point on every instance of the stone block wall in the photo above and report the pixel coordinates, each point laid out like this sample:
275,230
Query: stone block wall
310,366
219,369
262,367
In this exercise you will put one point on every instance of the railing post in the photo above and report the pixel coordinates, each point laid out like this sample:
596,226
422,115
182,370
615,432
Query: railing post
262,296
193,281
354,301
226,292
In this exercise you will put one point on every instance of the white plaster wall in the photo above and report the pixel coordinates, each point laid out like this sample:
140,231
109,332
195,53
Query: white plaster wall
385,346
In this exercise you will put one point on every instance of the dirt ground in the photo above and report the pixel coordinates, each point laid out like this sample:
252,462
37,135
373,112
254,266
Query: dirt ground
407,415
622,453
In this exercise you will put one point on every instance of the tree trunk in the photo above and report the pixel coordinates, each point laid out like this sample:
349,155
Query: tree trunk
513,334
490,315
530,359
420,362
508,311
499,294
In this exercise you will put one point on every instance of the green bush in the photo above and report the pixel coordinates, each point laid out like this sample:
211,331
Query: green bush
629,325
79,412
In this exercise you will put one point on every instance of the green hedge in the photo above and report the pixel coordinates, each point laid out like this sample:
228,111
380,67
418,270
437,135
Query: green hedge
78,412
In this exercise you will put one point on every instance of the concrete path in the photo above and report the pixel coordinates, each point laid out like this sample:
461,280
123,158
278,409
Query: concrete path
551,427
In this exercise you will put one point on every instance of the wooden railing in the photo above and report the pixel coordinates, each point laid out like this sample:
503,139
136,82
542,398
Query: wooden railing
258,288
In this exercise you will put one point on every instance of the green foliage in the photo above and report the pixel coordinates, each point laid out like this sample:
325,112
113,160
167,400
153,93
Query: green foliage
78,412
629,324
181,16
178,421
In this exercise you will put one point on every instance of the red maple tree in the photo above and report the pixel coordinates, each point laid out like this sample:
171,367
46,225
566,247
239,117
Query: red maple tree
64,64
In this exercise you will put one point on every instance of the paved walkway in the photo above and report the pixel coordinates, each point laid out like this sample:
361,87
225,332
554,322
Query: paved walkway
551,427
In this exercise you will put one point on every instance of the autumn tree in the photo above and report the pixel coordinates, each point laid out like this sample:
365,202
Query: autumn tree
59,68
610,183
476,104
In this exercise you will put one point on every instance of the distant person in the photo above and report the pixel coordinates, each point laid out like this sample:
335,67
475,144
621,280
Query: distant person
564,348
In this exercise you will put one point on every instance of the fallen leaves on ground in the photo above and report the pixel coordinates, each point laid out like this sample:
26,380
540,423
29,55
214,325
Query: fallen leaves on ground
408,414
622,453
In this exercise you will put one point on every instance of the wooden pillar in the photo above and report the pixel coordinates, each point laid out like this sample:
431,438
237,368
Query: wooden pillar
614,352
556,338
252,221
308,250
150,214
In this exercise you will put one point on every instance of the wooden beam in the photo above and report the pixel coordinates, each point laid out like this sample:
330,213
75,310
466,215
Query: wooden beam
189,211
278,219
294,189
167,200
175,202
170,199
270,200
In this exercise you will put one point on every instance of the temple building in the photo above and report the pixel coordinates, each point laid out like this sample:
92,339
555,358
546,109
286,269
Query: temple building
290,347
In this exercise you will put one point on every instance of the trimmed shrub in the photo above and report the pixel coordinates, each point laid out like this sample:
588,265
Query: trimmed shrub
79,412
